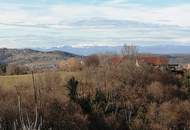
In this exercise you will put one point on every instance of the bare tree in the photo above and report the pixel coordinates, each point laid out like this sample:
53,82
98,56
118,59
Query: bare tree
131,51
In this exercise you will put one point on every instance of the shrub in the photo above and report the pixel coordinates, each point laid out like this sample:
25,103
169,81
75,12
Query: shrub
92,61
3,68
13,69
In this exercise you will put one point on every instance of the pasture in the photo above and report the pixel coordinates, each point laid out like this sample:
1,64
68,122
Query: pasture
12,80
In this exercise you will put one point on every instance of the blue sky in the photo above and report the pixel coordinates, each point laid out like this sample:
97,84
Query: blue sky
50,23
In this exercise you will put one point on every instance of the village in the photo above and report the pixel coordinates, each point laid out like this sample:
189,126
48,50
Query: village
158,62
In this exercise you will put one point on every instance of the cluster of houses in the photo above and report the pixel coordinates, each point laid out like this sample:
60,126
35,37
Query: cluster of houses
152,60
159,62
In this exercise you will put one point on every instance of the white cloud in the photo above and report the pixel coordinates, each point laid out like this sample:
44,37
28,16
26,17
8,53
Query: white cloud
57,18
55,14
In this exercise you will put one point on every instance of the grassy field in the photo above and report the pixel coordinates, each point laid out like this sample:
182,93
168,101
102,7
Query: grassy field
12,80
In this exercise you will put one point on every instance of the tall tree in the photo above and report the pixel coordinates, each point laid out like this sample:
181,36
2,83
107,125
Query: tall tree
131,51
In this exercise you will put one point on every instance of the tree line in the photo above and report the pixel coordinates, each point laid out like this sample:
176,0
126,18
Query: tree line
13,69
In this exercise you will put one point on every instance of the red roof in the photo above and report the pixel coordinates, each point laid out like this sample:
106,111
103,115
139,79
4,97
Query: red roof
155,60
116,59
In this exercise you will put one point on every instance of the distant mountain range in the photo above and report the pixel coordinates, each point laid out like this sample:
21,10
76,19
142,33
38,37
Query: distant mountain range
88,50
46,58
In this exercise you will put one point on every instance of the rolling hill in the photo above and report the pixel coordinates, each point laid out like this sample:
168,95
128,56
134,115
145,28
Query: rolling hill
33,58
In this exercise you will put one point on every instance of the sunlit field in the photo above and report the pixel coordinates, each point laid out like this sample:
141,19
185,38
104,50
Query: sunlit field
12,80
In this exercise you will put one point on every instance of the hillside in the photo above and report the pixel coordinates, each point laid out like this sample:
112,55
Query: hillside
25,56
33,58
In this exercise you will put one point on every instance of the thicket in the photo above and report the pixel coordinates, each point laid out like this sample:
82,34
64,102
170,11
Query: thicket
103,96
13,69
3,68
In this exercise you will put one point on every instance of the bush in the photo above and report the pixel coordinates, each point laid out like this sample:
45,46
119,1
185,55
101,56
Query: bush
92,61
3,68
13,69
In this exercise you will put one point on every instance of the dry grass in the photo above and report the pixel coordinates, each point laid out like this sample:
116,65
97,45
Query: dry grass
10,81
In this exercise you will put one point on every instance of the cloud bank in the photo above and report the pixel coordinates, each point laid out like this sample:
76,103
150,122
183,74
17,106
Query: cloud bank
109,22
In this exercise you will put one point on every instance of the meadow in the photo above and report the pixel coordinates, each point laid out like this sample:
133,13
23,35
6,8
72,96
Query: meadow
9,81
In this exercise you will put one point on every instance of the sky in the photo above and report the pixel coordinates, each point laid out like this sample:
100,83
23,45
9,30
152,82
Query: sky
57,23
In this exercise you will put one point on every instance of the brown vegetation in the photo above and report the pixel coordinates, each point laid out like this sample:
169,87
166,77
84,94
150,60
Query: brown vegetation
13,69
71,64
102,96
